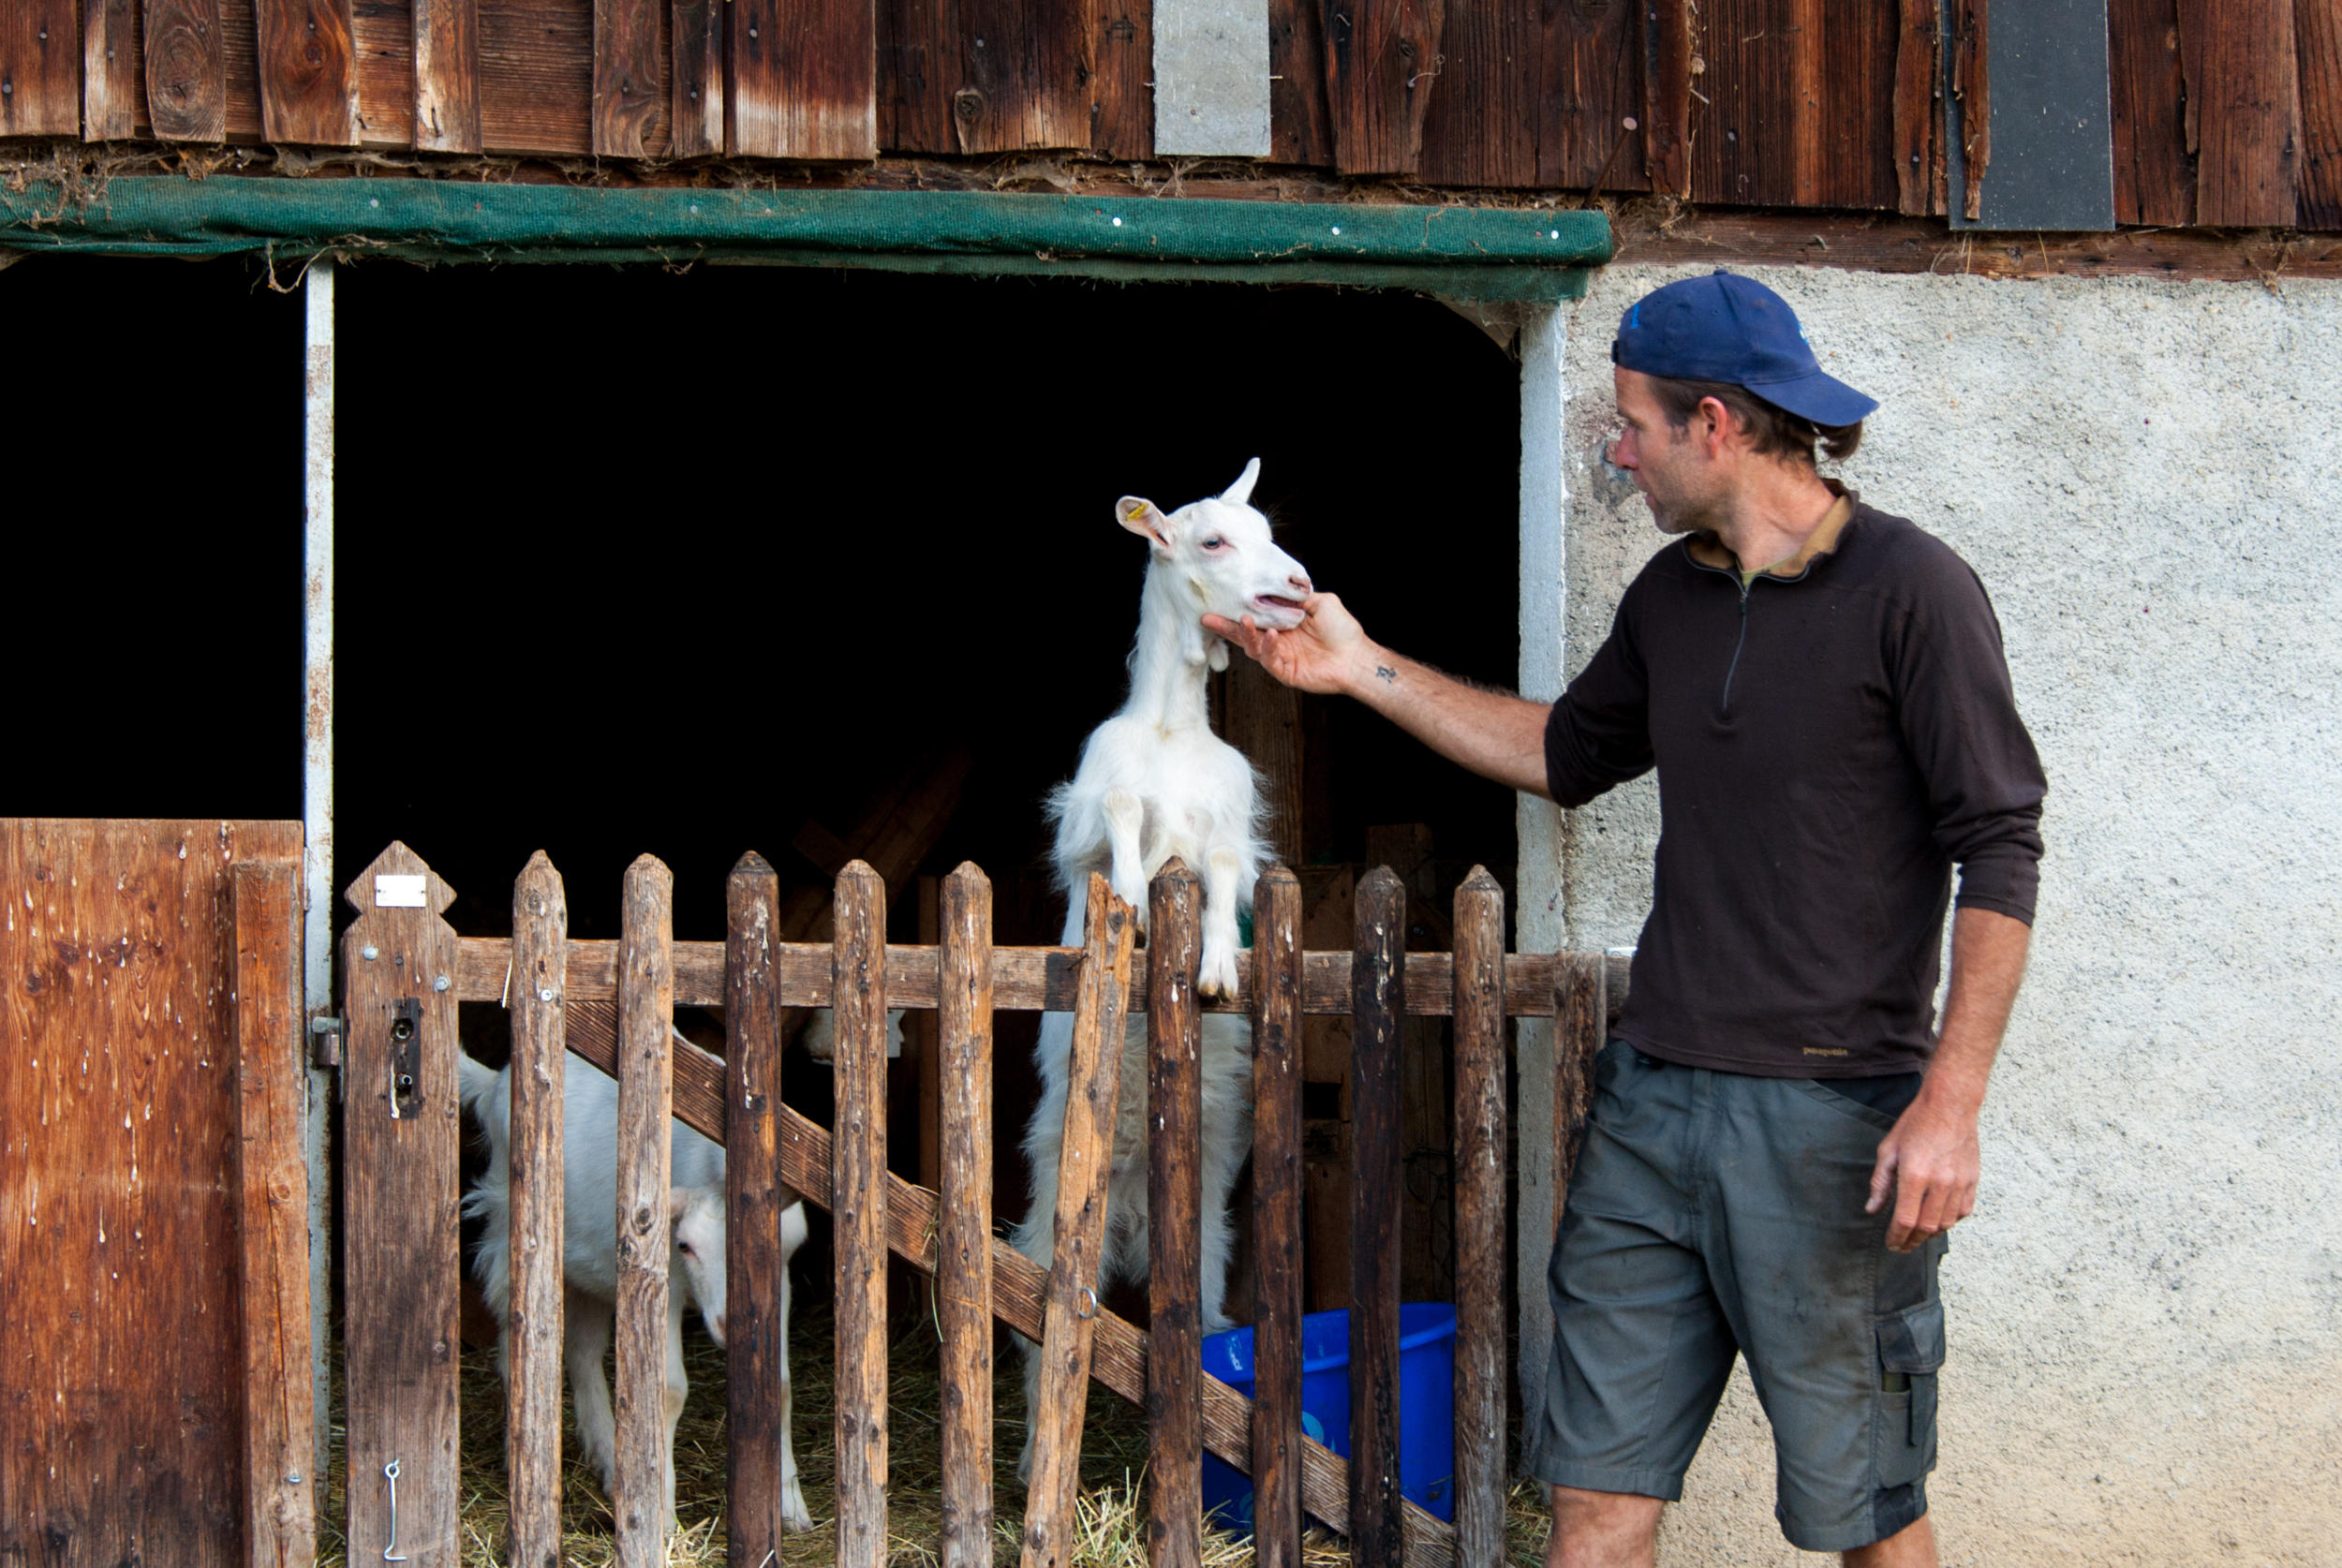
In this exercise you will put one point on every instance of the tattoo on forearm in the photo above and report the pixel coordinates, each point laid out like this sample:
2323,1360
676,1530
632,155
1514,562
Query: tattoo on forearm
1389,675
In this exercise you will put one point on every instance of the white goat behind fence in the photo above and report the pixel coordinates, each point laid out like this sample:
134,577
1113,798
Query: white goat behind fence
589,1243
1155,782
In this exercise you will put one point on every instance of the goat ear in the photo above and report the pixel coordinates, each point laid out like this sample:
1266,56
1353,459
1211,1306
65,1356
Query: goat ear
1240,493
1144,518
678,1199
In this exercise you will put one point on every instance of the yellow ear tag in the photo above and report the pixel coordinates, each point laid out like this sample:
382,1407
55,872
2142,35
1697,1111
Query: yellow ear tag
1135,514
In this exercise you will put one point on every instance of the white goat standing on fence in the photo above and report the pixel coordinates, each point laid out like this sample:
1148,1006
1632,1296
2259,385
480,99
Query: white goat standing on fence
590,1244
1155,782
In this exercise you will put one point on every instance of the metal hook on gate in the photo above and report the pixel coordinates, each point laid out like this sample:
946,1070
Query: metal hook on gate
390,1473
1086,1293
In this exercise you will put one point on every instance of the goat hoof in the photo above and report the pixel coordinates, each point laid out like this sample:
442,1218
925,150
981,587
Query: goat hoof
794,1516
1218,977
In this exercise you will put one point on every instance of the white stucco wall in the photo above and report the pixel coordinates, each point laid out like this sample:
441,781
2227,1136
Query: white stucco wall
2146,1310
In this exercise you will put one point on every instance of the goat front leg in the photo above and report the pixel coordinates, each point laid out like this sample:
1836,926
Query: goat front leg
678,1385
793,1513
584,1342
1126,818
1224,881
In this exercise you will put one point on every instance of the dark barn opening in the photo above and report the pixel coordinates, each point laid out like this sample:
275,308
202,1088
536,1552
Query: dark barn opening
695,562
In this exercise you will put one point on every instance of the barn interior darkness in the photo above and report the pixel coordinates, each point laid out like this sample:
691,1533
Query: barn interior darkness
698,561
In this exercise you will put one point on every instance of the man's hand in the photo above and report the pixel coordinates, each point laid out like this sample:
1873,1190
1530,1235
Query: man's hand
1325,654
1928,1167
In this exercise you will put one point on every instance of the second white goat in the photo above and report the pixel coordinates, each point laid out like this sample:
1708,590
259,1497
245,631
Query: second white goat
590,1244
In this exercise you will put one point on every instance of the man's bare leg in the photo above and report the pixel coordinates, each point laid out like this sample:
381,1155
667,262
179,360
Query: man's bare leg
1912,1546
1608,1529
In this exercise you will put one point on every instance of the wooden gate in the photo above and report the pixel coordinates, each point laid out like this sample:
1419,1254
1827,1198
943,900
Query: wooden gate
154,1372
611,1003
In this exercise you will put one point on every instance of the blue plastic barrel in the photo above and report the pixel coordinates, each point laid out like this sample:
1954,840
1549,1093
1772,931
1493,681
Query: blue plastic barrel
1427,1404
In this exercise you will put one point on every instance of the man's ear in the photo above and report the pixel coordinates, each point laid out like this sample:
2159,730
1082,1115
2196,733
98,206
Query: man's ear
1144,518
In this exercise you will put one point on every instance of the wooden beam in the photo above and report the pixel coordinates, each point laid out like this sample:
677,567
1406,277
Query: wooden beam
400,1241
281,1493
629,78
186,70
308,72
859,1178
446,98
644,1158
1024,978
1175,1117
963,1243
1277,1235
537,1198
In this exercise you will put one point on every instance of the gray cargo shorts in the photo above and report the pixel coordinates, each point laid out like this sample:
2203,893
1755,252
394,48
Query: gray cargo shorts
1714,1212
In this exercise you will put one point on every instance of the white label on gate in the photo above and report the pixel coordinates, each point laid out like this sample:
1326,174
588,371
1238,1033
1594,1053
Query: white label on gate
397,890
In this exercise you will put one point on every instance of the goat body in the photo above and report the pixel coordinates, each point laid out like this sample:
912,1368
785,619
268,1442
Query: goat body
1154,782
589,1261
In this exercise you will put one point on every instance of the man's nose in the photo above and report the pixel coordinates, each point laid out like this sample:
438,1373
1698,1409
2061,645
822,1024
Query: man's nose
1619,456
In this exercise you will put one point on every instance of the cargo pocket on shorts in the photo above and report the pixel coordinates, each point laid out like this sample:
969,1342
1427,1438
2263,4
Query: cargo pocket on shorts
1910,1353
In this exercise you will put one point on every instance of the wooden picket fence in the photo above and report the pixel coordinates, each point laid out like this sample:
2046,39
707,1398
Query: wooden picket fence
612,1002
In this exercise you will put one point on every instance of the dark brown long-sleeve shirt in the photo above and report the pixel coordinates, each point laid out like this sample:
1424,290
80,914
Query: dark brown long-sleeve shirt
1829,744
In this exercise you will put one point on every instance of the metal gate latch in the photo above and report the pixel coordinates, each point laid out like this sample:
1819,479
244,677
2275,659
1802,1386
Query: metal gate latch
406,1058
390,1553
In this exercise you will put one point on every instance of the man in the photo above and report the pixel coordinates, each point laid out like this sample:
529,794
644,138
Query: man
1779,1139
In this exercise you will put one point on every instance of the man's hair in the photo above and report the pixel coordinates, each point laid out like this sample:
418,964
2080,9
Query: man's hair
1772,430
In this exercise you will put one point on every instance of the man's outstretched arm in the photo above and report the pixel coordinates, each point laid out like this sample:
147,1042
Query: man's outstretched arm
1493,733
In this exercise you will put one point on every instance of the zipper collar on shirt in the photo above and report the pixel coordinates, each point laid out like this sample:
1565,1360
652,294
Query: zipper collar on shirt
1842,518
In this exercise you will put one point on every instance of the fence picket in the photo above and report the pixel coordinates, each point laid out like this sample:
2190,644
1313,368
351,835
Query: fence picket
1581,1024
1479,1208
756,1392
963,1247
858,1182
1086,1157
1378,1001
1277,1220
1174,1212
645,1101
532,1325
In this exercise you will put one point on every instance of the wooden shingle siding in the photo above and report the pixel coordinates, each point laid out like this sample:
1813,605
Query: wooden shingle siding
1592,124
1122,64
384,33
2318,33
2152,180
1300,123
186,70
1669,57
447,75
803,79
978,77
537,76
2244,109
1799,104
695,79
308,77
1917,151
40,68
629,110
112,97
1382,70
1481,126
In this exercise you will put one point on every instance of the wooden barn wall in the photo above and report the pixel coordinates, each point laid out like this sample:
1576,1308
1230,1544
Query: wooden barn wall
2227,113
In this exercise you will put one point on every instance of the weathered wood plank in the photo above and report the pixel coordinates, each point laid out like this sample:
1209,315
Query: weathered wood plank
1972,87
630,79
2318,33
1020,1284
1580,1027
644,1156
447,98
859,1180
1085,1162
2153,181
1480,127
1668,98
400,1246
383,35
111,91
1481,1057
2244,109
1277,1239
1919,110
1757,138
1174,1120
308,72
802,79
40,68
1378,983
1024,978
695,107
186,70
537,76
1381,67
1300,123
537,1198
963,1245
756,1392
1592,130
1122,46
977,77
273,1182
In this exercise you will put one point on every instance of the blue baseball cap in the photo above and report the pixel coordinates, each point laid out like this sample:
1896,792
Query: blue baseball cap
1724,327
